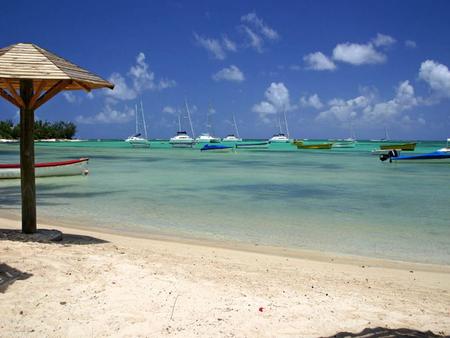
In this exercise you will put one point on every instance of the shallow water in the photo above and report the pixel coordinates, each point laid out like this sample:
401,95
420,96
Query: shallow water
340,200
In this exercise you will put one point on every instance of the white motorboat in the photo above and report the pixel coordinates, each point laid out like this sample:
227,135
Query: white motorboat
279,138
231,138
182,140
207,138
136,140
62,168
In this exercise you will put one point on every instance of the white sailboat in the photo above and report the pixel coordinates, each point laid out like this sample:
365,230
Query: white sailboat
386,137
182,139
136,140
281,137
233,137
207,137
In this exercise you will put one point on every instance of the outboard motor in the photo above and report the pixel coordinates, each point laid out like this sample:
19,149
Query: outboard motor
392,153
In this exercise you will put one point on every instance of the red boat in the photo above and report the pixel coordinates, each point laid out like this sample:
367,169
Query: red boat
61,168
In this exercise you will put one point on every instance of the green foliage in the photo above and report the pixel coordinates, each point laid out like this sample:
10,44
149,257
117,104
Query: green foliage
42,130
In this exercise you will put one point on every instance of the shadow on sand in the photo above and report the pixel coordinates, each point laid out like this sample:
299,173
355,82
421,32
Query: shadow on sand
381,332
9,275
48,236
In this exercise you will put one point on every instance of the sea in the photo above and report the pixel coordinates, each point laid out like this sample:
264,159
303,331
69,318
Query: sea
343,201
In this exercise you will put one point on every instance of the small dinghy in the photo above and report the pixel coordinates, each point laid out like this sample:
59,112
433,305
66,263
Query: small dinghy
434,157
258,145
62,168
216,148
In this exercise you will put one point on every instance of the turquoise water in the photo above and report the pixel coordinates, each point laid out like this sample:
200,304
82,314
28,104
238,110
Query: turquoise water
340,200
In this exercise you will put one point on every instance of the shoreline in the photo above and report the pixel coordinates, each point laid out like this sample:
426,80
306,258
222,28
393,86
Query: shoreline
109,284
306,254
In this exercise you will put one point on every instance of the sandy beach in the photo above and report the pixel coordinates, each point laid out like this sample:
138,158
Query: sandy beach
95,284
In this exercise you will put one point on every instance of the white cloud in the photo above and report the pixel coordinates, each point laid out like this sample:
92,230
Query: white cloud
295,67
365,109
264,110
311,101
382,40
213,46
70,97
228,44
254,39
410,44
404,99
344,111
319,61
357,54
259,24
231,73
142,79
109,115
121,90
437,76
169,110
277,96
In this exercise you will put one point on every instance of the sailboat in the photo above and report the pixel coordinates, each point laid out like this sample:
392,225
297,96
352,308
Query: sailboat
281,137
349,142
386,136
207,137
182,139
233,137
136,140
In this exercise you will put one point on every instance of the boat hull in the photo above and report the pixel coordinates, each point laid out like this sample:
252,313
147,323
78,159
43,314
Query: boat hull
400,146
301,145
50,169
344,144
253,146
436,157
216,148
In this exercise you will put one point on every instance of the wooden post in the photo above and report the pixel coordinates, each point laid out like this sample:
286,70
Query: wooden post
28,185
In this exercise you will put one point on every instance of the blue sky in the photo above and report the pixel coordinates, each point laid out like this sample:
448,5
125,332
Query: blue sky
329,64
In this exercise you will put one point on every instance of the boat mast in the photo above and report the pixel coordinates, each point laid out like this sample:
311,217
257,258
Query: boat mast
136,118
386,135
235,127
209,126
189,117
179,122
279,123
143,120
286,124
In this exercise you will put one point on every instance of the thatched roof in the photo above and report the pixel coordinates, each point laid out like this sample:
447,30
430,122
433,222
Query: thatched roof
28,61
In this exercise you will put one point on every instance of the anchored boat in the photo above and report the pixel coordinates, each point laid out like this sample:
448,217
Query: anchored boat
253,146
399,146
434,157
136,141
61,168
301,145
216,148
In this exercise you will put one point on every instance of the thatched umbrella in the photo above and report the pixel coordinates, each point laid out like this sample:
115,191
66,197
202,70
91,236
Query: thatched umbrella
29,77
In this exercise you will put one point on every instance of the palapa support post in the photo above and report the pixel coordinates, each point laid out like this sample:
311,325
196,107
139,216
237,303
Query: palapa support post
28,185
39,75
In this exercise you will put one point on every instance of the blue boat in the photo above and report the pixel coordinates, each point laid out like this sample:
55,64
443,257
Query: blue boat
434,157
216,148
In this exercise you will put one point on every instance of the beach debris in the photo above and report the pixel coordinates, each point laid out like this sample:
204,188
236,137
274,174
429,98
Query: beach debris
63,303
261,309
173,307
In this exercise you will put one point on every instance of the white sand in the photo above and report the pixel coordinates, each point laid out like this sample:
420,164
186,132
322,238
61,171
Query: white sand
137,287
